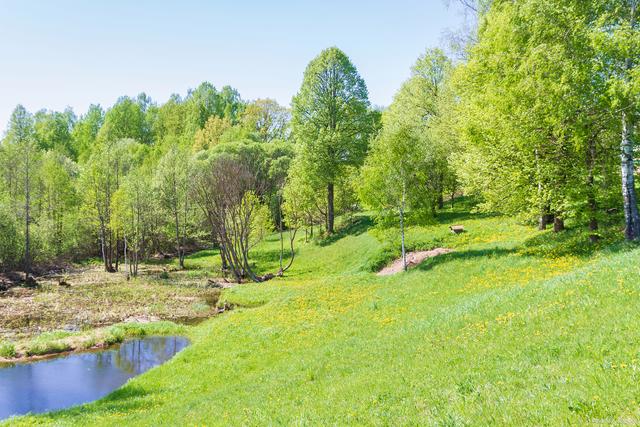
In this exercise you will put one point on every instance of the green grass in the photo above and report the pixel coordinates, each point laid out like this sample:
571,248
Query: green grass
516,327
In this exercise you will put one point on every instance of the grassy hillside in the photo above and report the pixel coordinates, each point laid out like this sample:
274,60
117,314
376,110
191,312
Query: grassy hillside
515,327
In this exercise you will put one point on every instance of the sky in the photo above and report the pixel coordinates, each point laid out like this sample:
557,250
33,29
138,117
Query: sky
74,53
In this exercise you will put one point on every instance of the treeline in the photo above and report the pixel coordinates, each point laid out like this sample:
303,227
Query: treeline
122,184
536,118
547,111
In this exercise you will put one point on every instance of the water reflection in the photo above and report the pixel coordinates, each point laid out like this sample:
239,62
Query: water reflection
79,378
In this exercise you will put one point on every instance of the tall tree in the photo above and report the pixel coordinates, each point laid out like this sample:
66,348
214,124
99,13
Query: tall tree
126,119
85,131
617,38
390,177
100,178
133,210
21,140
331,120
172,179
53,131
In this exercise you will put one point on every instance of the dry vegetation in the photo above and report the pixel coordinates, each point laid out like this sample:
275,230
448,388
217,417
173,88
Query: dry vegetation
94,298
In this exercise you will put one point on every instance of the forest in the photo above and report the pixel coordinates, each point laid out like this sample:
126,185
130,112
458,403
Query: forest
466,255
534,114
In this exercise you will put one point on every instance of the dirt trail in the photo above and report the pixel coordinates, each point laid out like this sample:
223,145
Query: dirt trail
413,259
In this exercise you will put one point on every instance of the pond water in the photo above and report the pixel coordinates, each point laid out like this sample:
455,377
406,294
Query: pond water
62,382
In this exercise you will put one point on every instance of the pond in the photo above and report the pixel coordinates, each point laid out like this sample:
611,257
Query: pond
62,382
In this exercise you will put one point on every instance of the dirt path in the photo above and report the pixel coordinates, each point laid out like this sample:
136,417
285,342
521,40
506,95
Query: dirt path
413,259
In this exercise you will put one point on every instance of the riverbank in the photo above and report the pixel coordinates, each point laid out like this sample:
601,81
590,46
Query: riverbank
516,327
59,343
91,308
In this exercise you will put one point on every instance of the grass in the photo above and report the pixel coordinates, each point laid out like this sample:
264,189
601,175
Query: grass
517,327
50,343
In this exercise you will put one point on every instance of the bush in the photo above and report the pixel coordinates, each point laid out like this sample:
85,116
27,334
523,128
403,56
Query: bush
7,350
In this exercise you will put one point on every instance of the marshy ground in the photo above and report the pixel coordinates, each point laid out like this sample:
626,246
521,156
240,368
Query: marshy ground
94,299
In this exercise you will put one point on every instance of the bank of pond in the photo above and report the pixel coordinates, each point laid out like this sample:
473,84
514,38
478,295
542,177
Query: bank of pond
77,378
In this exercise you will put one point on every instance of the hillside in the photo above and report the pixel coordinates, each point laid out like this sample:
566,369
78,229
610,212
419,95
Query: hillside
514,327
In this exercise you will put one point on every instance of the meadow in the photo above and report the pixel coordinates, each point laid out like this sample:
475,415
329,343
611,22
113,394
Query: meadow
516,327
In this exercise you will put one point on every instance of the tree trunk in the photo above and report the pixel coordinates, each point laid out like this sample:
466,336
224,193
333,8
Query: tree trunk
127,269
178,248
281,236
631,216
591,196
117,252
292,238
558,224
330,212
402,205
545,219
27,209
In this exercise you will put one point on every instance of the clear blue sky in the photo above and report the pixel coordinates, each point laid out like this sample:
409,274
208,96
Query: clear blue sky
74,53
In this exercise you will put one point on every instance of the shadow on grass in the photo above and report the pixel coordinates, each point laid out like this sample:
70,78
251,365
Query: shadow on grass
355,227
462,210
574,242
430,263
448,217
205,253
270,256
126,399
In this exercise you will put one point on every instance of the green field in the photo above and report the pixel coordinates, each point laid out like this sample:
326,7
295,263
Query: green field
515,327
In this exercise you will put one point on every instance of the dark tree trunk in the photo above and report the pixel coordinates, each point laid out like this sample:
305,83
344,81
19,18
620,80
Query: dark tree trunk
546,218
117,252
27,208
558,224
330,211
281,236
178,245
591,196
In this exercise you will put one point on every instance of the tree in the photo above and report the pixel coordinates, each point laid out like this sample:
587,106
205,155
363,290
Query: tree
59,201
211,133
225,189
533,114
126,119
266,119
100,178
331,120
85,131
617,39
21,141
132,207
391,174
53,131
172,179
421,107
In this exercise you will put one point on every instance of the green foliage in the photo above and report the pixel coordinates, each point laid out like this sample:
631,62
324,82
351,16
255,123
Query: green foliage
330,116
534,116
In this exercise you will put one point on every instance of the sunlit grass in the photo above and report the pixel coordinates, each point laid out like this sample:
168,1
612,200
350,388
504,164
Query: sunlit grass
508,329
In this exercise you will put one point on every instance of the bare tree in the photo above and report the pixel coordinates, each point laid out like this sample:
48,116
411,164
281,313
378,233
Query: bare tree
225,189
